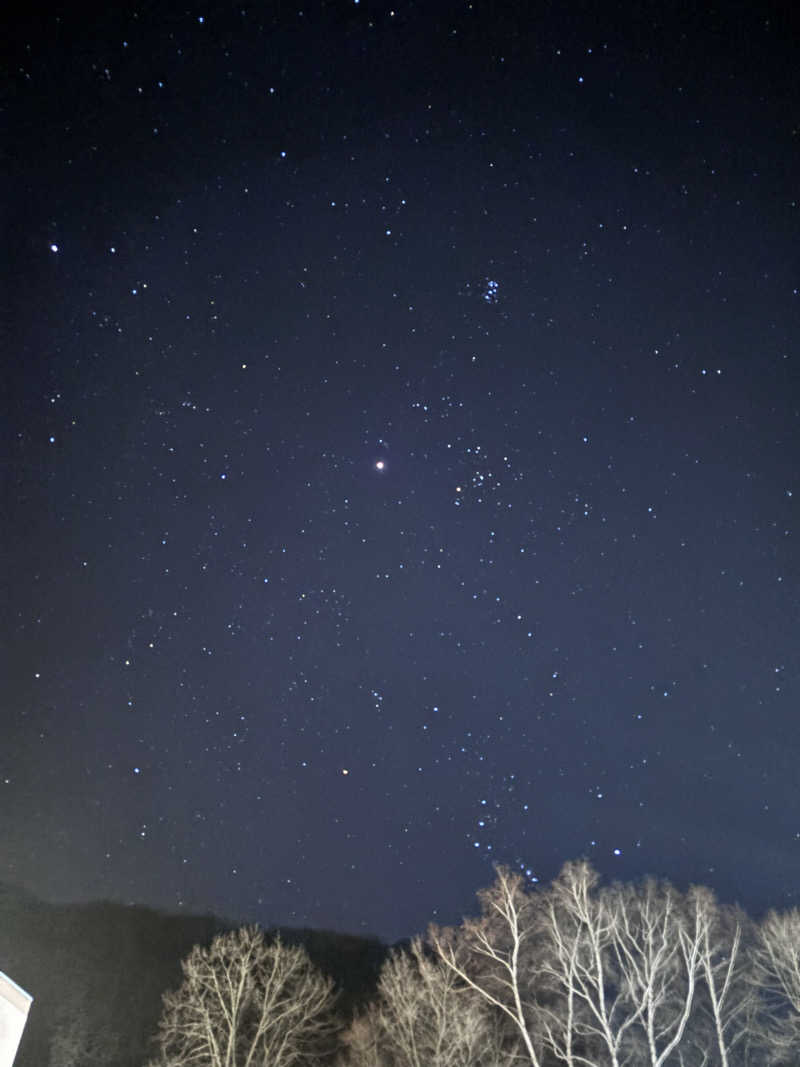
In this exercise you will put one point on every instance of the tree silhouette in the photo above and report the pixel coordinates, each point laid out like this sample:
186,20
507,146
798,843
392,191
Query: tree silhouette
247,1002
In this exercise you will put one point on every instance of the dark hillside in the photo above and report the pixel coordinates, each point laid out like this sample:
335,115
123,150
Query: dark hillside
97,972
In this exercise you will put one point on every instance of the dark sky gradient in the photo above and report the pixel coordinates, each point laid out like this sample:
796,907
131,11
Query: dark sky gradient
542,267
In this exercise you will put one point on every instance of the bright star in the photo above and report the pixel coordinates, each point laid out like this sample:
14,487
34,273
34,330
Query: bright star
380,465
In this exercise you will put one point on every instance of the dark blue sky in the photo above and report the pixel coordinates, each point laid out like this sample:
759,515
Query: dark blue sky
401,457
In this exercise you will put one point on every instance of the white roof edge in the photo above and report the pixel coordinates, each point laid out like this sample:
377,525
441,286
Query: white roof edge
13,984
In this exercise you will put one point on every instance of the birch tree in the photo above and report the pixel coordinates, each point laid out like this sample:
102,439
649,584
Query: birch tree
726,1022
590,1013
246,1002
490,955
422,1017
776,973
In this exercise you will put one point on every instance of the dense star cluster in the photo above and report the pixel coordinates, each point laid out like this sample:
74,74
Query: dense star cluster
401,466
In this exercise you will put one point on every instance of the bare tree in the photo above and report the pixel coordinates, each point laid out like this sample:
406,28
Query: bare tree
423,1016
592,1013
576,1019
657,946
246,1002
361,1042
489,956
776,973
727,1004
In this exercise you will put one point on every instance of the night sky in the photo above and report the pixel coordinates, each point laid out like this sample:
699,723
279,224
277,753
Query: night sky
400,457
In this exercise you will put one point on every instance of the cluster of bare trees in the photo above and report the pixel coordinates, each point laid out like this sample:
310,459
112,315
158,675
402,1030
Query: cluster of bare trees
615,976
573,973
